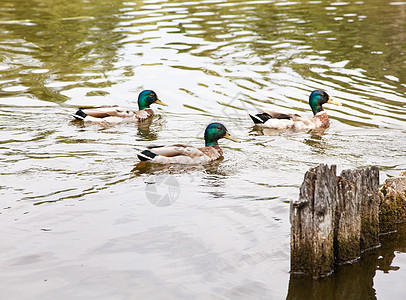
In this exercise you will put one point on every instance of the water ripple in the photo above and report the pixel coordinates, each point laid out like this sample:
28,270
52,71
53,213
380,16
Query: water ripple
73,195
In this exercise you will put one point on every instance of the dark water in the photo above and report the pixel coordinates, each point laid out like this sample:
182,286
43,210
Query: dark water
78,216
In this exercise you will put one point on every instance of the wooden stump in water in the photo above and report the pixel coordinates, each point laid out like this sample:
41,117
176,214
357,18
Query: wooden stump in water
369,208
312,228
334,219
348,219
392,203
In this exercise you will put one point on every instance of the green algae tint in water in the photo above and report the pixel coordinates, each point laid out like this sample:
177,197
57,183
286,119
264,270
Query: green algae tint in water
75,214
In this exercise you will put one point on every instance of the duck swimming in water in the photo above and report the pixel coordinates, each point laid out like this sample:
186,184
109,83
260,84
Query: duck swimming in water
275,120
185,154
117,114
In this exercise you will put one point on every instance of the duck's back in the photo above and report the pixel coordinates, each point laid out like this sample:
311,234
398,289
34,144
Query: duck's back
113,114
181,154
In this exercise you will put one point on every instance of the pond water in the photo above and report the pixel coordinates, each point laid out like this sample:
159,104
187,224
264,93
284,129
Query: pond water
78,214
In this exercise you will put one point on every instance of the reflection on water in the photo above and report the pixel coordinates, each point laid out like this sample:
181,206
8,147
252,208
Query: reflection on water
53,46
354,281
146,132
316,141
74,208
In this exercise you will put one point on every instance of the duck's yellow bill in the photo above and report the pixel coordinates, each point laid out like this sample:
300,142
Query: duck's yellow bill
331,101
230,137
160,102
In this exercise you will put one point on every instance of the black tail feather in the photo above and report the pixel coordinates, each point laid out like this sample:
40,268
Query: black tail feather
80,115
146,155
260,118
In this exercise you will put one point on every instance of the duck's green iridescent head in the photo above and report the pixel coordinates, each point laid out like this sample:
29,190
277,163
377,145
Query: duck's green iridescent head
216,131
318,98
148,97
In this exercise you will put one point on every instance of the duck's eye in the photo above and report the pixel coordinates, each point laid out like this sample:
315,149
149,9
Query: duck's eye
218,128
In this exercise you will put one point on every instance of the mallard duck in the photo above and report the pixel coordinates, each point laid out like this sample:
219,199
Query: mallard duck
275,120
118,114
185,154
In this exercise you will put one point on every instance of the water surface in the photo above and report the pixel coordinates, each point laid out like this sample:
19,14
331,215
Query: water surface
75,212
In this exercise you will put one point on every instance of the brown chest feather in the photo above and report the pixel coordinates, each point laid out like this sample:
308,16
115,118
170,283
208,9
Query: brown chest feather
212,151
322,119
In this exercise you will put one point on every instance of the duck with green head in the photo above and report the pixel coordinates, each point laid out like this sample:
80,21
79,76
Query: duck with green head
275,120
117,114
185,154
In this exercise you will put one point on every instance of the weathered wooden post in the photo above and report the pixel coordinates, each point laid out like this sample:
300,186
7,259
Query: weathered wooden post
334,219
312,229
369,208
357,222
392,203
348,219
